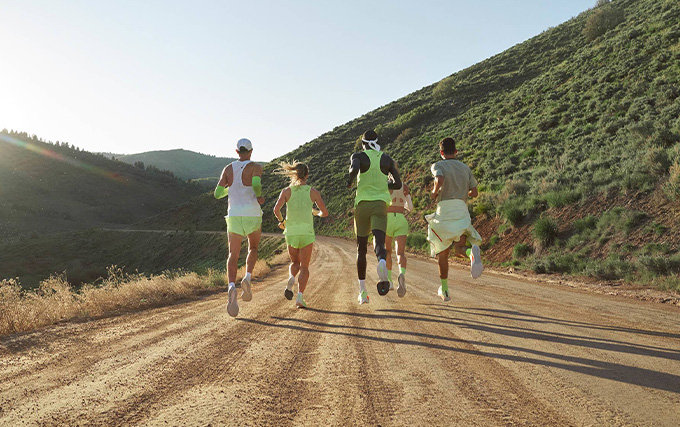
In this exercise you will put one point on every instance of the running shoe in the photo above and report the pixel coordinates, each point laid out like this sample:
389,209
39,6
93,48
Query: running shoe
391,286
300,302
363,297
443,295
288,293
401,288
382,271
247,292
232,304
476,266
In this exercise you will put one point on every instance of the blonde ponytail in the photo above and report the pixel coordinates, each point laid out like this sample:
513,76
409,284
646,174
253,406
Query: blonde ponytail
296,171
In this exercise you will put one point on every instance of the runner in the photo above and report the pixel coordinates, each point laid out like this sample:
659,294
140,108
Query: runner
242,179
451,223
371,168
397,229
299,224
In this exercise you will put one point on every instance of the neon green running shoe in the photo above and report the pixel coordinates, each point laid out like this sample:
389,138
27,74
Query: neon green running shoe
363,297
300,301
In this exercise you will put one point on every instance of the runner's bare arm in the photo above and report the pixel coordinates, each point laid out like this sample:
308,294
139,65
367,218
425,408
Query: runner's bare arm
354,168
395,182
222,188
283,198
407,195
438,182
316,198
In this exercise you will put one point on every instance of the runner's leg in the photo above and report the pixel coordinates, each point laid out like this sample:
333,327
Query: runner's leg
362,249
305,258
388,245
459,247
294,267
234,253
401,251
253,244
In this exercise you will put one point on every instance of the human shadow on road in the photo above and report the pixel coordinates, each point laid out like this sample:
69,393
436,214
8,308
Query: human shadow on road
516,315
602,369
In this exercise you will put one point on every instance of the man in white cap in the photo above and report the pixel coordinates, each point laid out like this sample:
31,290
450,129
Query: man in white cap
242,181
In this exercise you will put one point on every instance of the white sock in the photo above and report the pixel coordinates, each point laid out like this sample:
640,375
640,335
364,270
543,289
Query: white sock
362,285
247,276
231,285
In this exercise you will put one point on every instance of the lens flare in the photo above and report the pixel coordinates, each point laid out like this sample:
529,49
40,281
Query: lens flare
43,151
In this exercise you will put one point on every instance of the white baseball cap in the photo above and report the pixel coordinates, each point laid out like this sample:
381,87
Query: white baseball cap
244,144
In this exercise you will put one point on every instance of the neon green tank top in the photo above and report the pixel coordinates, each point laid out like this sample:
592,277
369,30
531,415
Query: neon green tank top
372,184
299,218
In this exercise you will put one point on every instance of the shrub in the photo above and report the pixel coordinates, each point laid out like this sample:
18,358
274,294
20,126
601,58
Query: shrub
545,231
602,20
672,187
417,241
586,223
661,265
444,88
557,199
656,160
521,250
484,204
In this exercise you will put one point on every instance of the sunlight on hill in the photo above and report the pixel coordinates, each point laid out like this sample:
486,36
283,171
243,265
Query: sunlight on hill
56,156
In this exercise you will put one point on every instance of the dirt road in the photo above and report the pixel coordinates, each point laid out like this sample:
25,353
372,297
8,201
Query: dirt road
503,352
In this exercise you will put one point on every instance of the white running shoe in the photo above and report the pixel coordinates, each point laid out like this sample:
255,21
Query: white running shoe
247,292
443,295
288,293
476,266
363,297
401,288
300,301
382,271
232,304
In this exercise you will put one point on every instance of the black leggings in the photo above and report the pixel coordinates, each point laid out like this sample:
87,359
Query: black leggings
362,248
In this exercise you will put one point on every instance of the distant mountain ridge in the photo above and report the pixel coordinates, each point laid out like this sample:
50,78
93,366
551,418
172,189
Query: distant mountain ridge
53,187
182,163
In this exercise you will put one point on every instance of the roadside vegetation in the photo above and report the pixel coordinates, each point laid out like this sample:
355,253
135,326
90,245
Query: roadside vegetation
57,299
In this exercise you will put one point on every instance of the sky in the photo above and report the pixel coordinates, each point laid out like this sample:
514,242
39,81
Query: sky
129,76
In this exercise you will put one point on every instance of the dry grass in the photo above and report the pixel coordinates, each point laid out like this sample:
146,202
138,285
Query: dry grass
56,301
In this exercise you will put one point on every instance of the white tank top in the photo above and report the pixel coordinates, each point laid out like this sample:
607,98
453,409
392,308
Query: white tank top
242,199
398,198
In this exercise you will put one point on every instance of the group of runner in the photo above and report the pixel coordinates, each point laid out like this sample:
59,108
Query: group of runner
381,204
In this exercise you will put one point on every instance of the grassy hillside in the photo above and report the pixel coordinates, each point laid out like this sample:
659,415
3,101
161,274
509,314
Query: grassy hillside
184,164
47,188
573,135
85,255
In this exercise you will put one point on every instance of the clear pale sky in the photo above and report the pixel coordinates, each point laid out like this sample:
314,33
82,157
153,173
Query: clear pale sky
128,76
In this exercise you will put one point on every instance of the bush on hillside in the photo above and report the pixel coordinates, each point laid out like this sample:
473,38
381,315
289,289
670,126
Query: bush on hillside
602,20
521,250
545,231
672,187
444,88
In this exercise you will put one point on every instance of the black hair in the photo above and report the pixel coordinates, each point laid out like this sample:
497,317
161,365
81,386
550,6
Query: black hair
447,146
369,135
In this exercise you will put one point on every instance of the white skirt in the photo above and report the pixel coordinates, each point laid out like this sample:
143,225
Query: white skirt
448,224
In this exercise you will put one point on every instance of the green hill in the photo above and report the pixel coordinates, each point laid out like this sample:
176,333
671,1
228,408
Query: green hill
48,188
184,164
573,135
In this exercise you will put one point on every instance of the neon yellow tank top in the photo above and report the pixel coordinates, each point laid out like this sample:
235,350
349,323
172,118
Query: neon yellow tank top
372,184
299,218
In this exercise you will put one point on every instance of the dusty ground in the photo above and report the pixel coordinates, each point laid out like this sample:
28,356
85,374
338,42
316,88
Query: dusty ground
504,352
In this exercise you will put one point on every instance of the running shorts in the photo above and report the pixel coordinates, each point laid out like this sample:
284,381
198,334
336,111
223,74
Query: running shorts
370,215
243,225
397,225
299,241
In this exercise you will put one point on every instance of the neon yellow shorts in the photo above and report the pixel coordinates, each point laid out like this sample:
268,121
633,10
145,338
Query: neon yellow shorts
397,225
299,241
243,225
